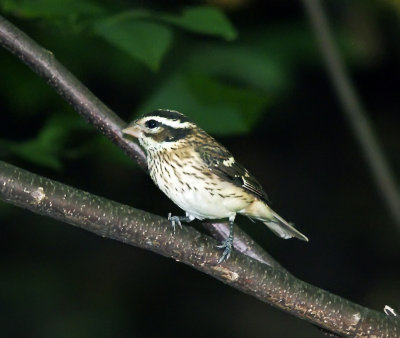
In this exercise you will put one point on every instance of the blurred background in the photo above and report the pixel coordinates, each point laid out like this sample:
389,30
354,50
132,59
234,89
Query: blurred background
250,73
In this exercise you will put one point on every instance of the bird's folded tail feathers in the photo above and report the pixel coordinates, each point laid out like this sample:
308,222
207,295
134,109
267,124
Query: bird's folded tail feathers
282,228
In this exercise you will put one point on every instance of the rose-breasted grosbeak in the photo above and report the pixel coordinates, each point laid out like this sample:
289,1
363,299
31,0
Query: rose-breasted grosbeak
201,176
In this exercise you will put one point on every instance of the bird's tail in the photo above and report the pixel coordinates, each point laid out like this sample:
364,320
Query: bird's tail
262,212
282,228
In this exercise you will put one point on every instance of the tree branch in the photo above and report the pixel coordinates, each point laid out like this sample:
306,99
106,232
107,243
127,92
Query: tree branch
43,62
354,112
139,228
110,219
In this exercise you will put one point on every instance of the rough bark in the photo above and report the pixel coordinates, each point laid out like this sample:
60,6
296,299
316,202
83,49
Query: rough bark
139,228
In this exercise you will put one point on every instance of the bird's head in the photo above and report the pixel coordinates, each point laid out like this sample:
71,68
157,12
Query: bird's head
160,129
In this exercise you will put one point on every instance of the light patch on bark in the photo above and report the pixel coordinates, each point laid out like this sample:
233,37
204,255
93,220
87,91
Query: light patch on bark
226,273
38,195
355,318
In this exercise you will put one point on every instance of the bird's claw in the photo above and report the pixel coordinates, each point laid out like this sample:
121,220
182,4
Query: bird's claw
227,245
174,220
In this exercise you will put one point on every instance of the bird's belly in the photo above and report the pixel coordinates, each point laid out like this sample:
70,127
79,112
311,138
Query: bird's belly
198,199
201,204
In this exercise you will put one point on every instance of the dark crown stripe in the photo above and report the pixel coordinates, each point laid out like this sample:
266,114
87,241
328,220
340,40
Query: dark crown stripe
169,114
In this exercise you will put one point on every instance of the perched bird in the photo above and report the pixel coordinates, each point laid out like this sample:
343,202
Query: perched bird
201,176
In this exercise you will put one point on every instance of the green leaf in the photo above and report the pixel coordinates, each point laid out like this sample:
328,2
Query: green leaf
51,8
39,153
48,147
146,41
217,107
140,35
240,65
203,20
199,19
100,149
24,91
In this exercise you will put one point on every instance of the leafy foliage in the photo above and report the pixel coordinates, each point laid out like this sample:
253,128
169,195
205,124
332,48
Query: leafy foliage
218,107
224,84
254,70
144,35
146,41
48,147
203,20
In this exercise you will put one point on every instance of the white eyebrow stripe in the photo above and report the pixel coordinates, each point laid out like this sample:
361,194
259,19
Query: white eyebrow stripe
169,122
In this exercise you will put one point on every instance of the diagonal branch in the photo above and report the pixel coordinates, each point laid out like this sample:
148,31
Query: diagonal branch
100,116
110,219
139,228
353,110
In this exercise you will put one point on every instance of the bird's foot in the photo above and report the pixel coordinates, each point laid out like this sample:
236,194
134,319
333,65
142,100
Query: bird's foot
176,220
227,245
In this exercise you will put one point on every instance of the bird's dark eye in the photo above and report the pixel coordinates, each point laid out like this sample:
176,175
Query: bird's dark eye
151,124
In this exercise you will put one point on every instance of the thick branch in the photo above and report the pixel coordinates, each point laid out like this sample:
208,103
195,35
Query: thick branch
135,227
99,115
352,107
113,220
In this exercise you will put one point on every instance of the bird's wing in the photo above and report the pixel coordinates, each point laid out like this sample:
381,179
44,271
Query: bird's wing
221,162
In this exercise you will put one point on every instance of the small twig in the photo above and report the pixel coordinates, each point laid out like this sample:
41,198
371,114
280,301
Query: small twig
43,62
352,107
135,227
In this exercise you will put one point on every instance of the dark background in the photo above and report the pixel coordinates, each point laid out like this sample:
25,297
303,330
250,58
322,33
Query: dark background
267,97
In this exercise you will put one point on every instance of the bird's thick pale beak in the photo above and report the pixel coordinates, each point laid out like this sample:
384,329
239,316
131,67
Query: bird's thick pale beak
134,131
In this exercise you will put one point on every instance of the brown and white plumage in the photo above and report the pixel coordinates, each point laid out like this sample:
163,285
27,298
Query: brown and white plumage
201,176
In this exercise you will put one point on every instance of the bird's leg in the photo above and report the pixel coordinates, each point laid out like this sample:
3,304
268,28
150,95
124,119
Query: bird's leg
178,219
227,245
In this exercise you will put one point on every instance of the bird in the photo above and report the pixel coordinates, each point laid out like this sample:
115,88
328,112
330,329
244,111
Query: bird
201,176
